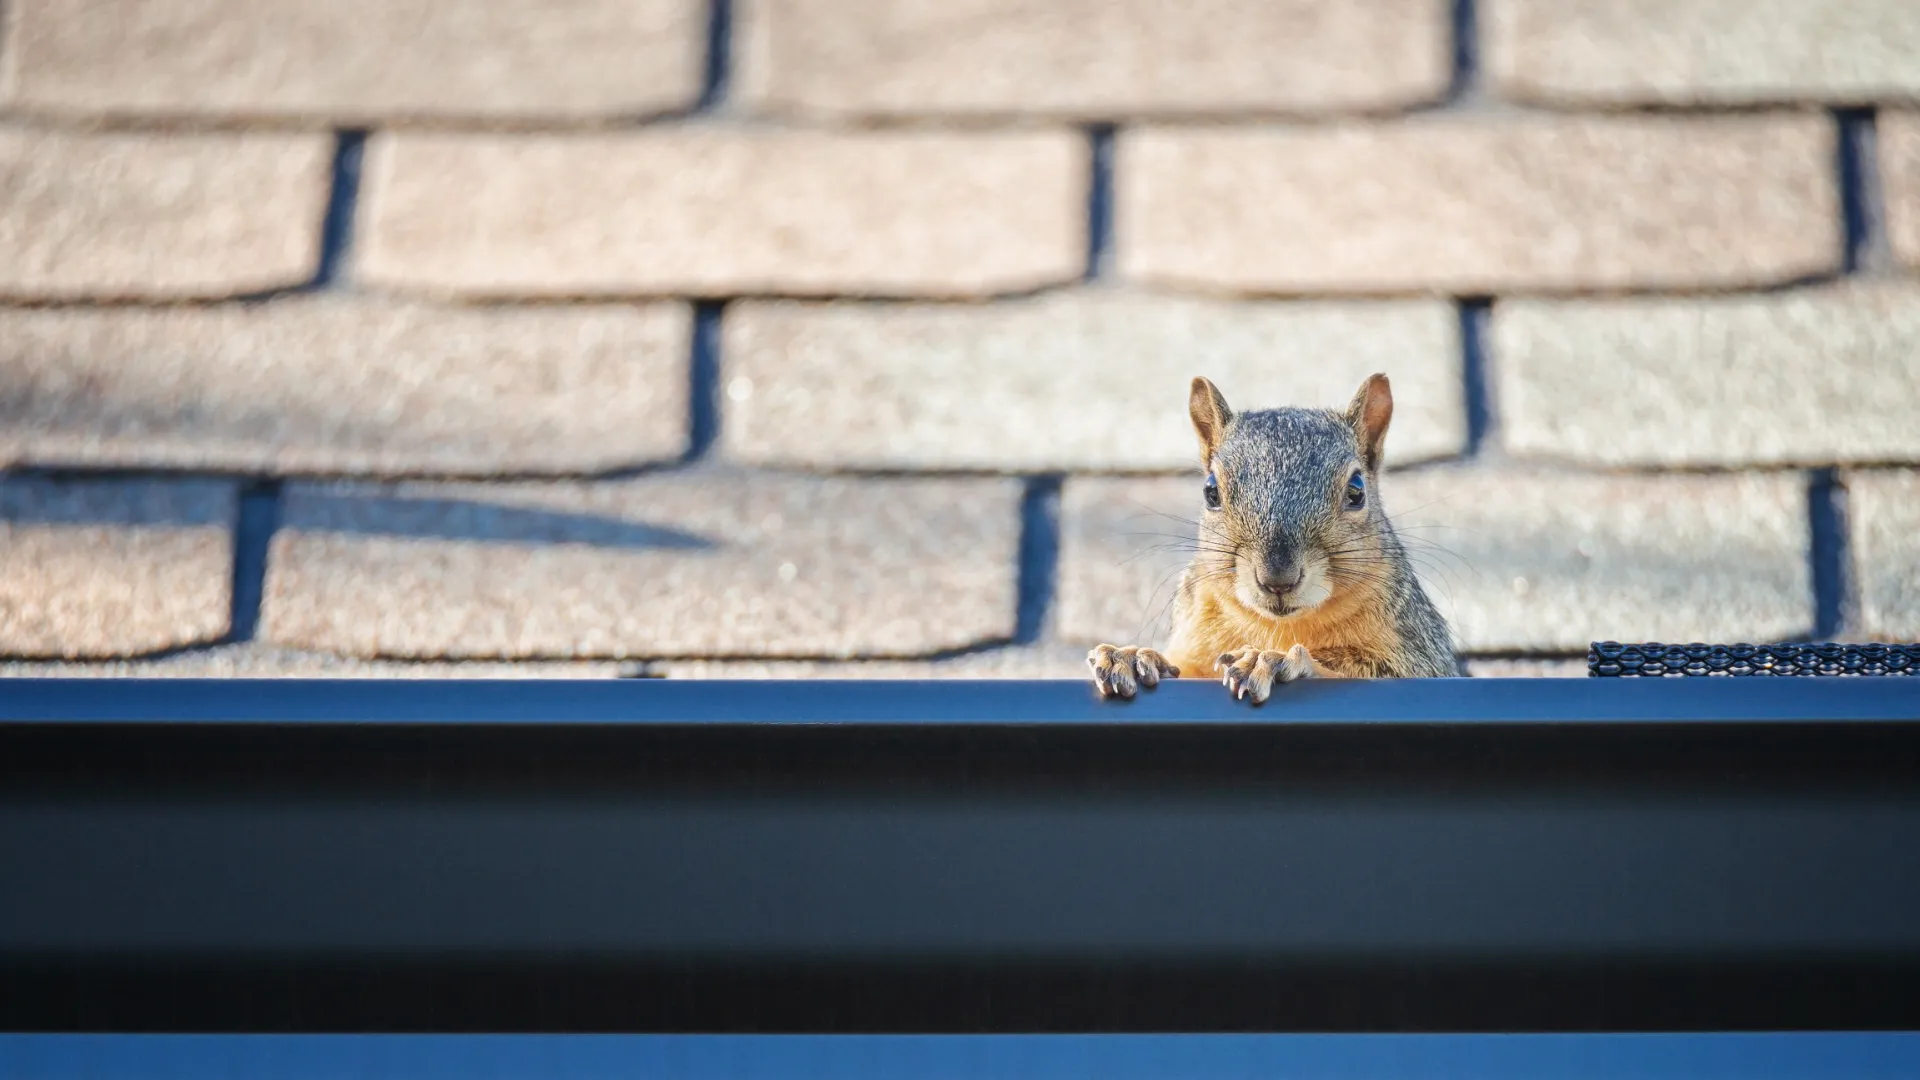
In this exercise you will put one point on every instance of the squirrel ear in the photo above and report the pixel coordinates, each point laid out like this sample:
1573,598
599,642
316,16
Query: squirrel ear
1368,416
1210,416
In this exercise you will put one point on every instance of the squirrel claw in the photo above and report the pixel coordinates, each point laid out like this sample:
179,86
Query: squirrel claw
1252,673
1119,671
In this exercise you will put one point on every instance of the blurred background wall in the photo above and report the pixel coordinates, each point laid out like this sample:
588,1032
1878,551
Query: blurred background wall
687,337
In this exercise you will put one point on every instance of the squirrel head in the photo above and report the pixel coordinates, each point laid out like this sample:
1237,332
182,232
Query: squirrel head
1291,518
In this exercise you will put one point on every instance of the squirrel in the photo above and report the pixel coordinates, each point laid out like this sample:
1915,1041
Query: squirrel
1297,572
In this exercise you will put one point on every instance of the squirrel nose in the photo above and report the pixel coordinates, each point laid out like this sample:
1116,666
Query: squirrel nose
1280,584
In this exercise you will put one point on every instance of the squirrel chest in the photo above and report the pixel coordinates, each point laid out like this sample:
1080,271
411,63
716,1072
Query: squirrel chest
1351,635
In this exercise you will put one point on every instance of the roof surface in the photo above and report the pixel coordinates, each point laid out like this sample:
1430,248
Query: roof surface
655,337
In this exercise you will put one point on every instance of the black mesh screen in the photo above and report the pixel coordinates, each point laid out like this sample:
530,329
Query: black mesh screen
1611,659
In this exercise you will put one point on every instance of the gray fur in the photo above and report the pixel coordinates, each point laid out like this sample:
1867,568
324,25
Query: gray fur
1282,474
1279,472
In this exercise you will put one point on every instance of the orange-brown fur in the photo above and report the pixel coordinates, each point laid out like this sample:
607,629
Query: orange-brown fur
1350,636
1297,571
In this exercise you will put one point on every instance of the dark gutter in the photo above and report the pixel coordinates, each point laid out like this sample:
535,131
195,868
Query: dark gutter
1492,855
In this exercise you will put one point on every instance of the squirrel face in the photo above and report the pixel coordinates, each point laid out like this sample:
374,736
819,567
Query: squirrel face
1289,518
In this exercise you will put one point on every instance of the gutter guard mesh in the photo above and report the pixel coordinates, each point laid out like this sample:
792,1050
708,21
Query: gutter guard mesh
1611,659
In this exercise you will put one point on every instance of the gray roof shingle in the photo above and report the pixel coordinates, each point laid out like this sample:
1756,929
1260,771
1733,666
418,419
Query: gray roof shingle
158,216
1476,204
1885,509
687,564
1700,52
103,568
712,211
1804,377
1097,59
354,60
1093,380
339,384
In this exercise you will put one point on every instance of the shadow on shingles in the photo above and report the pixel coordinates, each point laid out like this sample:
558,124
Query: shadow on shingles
471,521
29,499
32,500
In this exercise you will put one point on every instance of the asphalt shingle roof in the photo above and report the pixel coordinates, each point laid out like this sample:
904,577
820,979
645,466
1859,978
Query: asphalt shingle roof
420,337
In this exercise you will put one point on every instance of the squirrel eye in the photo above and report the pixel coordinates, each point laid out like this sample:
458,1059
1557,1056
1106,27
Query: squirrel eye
1213,492
1356,492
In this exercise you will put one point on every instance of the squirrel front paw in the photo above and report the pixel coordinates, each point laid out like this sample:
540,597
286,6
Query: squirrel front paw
1120,670
1252,672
